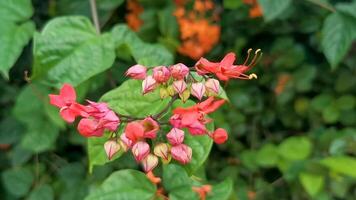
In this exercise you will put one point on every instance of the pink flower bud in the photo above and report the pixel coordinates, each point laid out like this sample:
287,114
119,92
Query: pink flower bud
198,90
148,85
161,74
89,128
219,136
182,153
149,163
213,85
179,86
175,136
137,72
140,150
125,142
111,148
150,127
162,150
179,71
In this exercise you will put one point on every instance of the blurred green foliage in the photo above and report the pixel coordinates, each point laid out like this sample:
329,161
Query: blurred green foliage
292,131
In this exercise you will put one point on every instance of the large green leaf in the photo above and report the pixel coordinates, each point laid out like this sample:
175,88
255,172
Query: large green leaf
126,185
17,181
15,31
338,32
295,148
127,99
341,164
41,133
144,53
68,50
312,183
221,191
273,8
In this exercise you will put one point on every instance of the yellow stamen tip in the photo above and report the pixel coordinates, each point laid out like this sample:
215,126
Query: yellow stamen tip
252,76
257,51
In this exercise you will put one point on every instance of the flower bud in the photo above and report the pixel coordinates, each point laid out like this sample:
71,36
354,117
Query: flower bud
125,142
161,74
213,86
149,163
137,72
182,153
162,150
150,127
185,95
111,148
198,90
175,136
179,86
171,90
148,85
163,93
179,71
219,136
140,150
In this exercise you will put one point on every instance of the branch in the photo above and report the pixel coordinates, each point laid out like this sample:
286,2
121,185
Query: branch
94,15
158,115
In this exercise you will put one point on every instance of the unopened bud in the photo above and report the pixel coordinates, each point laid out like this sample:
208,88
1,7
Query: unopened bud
111,148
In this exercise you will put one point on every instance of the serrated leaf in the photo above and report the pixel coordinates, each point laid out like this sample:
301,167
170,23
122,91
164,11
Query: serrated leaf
295,148
124,184
273,8
68,50
338,32
341,164
17,181
15,31
312,183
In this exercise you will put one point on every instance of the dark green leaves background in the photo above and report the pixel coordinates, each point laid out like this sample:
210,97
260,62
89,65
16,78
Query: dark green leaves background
297,144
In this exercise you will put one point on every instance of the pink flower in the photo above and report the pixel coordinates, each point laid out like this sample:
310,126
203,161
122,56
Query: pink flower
149,163
134,131
111,148
125,142
219,136
182,153
140,150
137,72
179,86
213,85
162,150
193,117
161,74
66,101
90,128
179,71
148,85
198,90
150,128
175,136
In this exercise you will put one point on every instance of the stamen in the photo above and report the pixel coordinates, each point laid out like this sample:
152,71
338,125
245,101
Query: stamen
256,61
257,56
252,76
248,56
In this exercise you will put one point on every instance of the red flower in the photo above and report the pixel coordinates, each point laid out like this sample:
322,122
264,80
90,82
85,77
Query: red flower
226,69
193,117
66,101
139,130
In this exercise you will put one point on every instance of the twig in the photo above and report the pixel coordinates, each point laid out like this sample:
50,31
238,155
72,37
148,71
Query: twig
158,115
323,5
94,14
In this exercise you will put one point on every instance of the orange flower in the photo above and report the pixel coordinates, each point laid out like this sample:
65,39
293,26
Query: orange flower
198,32
133,16
255,10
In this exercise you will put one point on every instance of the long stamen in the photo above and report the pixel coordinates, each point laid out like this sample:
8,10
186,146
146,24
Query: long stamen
248,56
257,60
252,63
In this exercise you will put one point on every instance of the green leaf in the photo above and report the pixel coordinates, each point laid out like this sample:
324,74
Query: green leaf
15,31
221,191
295,148
125,184
168,23
312,183
337,35
144,53
43,192
127,99
232,4
267,156
341,164
17,181
273,8
347,8
68,50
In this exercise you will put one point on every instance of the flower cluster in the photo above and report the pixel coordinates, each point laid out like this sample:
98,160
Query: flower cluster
198,31
145,137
